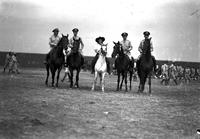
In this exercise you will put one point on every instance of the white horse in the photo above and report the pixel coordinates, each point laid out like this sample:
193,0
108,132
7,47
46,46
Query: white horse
100,69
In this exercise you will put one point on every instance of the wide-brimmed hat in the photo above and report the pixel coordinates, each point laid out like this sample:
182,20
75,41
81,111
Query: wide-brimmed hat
75,30
100,38
55,30
124,34
146,33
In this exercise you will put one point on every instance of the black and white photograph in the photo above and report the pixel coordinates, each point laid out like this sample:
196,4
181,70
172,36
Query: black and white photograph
99,69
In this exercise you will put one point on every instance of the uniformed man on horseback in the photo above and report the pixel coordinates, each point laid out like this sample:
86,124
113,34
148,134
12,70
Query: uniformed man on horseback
53,41
100,45
143,46
74,43
126,45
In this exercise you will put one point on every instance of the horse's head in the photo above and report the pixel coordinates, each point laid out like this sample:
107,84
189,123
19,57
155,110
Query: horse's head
102,52
117,49
64,41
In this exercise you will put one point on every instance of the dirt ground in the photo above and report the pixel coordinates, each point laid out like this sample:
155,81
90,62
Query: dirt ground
30,110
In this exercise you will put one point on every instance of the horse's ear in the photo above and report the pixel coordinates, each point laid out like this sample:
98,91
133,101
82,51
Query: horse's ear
67,35
114,42
62,35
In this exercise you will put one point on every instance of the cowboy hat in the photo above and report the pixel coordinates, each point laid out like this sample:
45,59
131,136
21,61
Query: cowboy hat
100,38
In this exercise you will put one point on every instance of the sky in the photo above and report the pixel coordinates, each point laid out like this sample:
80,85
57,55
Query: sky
26,25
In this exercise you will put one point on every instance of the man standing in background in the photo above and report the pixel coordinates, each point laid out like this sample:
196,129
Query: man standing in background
7,60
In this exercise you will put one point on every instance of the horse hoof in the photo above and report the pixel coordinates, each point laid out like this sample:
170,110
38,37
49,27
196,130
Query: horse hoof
76,85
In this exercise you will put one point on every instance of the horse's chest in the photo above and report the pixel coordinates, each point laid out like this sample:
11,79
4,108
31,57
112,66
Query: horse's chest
101,65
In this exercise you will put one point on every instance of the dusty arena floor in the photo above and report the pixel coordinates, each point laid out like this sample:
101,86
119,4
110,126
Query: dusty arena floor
30,110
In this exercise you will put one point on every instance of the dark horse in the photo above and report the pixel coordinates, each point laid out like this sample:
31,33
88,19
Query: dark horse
123,65
55,59
145,66
75,62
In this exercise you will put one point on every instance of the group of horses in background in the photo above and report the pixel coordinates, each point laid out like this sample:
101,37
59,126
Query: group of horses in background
123,65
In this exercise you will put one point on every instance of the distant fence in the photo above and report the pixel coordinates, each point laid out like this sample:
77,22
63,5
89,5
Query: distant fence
34,60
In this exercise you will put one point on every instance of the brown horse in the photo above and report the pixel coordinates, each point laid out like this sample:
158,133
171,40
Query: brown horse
145,66
123,65
55,59
75,61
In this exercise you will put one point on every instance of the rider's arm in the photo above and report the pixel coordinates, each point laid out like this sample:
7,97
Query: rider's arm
151,45
82,44
51,43
130,46
140,47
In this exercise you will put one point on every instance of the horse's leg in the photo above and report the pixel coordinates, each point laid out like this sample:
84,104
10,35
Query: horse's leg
100,78
95,80
68,77
118,80
143,80
77,78
149,84
130,79
53,75
47,69
103,82
123,75
71,77
58,75
139,87
64,77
